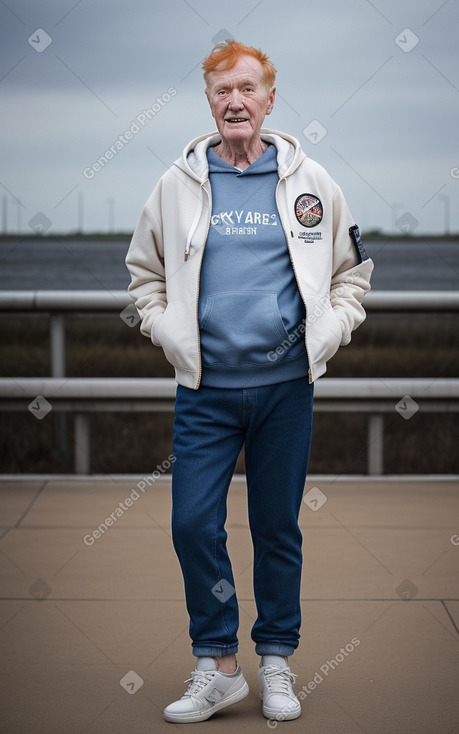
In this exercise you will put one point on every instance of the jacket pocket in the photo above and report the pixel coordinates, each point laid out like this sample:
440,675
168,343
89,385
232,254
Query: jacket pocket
172,333
324,331
241,327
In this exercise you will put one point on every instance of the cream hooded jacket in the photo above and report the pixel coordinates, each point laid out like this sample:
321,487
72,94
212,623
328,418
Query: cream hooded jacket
165,255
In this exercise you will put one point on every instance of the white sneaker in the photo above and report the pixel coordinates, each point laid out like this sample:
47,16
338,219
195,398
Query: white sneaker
279,700
208,692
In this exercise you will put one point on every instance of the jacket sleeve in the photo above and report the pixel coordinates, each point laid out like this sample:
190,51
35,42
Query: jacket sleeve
352,270
145,262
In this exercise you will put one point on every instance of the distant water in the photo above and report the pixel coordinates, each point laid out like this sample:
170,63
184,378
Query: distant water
49,264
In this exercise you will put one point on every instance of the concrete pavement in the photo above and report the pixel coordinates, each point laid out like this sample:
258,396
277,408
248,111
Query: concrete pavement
86,603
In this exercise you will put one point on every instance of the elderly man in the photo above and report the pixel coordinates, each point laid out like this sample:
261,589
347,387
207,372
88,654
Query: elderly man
248,270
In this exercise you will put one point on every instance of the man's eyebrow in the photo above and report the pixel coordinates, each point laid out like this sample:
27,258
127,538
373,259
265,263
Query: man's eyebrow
245,81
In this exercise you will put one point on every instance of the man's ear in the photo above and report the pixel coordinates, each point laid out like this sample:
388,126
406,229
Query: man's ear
208,99
271,100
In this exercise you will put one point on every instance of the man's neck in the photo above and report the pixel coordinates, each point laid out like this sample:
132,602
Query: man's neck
241,156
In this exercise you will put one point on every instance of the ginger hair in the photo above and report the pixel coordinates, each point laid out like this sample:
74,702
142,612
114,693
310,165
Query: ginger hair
228,54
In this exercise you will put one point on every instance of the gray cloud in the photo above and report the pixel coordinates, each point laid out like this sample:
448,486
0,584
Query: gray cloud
390,115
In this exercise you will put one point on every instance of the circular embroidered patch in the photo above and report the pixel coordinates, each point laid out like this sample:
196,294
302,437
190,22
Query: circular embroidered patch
308,210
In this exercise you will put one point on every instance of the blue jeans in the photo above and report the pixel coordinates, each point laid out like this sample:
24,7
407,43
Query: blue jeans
210,427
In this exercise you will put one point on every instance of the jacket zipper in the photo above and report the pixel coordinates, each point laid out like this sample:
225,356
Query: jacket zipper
296,278
199,278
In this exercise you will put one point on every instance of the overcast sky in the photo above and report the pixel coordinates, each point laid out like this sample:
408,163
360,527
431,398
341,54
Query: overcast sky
370,88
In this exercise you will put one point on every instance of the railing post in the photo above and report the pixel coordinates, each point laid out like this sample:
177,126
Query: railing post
375,444
82,443
57,330
57,348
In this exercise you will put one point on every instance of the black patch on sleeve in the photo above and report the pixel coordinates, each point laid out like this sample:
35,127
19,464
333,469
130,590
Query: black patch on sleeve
362,254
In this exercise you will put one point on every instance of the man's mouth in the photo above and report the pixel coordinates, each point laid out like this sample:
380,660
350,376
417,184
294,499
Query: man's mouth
236,120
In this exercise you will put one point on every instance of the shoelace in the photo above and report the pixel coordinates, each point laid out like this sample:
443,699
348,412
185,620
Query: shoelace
199,679
279,680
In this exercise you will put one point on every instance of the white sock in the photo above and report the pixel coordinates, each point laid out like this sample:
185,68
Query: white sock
206,663
273,660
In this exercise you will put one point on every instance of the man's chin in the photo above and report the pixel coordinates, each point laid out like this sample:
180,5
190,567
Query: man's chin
233,131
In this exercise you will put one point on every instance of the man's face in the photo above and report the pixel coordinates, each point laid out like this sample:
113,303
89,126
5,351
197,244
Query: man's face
239,100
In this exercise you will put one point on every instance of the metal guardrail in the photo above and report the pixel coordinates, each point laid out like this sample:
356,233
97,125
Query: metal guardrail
136,391
61,301
375,396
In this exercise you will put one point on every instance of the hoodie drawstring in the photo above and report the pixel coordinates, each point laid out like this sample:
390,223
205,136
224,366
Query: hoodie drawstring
197,217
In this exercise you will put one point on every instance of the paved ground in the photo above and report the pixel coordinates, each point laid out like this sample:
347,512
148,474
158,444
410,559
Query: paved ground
380,583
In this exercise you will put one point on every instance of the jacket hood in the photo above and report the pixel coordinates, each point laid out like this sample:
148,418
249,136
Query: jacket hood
193,160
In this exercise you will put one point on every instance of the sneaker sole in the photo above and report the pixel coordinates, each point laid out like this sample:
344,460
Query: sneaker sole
197,716
280,714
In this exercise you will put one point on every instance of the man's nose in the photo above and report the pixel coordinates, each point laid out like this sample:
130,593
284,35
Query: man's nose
235,101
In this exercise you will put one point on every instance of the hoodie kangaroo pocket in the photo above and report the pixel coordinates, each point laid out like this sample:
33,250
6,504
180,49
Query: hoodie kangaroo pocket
241,327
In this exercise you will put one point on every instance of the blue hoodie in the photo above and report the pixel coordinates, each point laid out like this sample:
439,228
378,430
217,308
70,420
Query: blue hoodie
251,314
